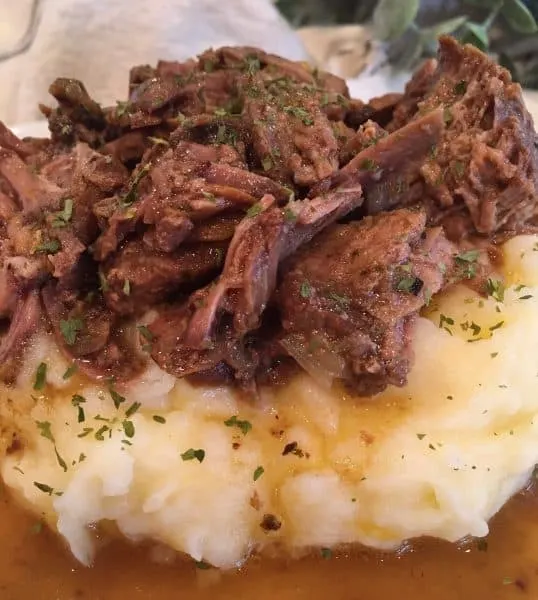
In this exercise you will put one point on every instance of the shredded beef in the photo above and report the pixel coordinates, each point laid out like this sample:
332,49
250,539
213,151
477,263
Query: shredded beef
357,316
244,201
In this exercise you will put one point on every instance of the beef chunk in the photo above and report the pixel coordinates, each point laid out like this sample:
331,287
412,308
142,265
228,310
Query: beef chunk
24,324
215,324
368,134
88,333
292,137
136,278
223,176
483,174
211,326
186,184
350,297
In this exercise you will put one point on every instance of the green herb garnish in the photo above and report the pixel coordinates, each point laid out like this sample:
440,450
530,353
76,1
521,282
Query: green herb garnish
192,454
40,376
70,328
49,247
244,426
77,400
495,288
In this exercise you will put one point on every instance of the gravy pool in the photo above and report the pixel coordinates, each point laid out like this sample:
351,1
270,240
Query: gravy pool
34,565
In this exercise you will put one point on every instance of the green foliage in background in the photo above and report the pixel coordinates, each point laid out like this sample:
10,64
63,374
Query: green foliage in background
506,28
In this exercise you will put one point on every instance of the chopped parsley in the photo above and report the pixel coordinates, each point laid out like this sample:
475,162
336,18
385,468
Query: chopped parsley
467,262
496,326
40,376
305,290
159,419
299,113
128,428
118,399
254,210
410,284
132,409
326,553
209,196
444,321
289,215
342,301
86,431
45,430
77,400
122,108
46,489
62,217
258,472
70,328
267,163
202,565
460,88
421,436
192,454
99,434
526,297
132,192
368,165
209,65
146,333
49,247
495,288
70,371
244,426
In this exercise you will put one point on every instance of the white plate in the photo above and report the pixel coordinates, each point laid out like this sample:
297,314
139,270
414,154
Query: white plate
40,128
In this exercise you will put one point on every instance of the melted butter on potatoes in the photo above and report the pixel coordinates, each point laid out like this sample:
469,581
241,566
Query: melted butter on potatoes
218,478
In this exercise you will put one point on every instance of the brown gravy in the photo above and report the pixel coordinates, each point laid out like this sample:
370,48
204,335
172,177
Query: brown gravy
35,566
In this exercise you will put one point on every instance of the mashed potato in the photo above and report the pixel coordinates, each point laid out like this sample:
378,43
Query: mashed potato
213,476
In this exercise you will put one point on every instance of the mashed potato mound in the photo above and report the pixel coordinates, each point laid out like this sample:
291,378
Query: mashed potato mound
213,476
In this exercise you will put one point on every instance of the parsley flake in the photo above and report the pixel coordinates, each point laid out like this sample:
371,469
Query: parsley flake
76,401
132,409
128,428
49,247
62,217
159,419
495,288
299,113
70,328
40,376
43,487
460,88
258,472
305,290
368,165
192,454
70,371
118,399
254,210
410,284
267,163
244,426
45,430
